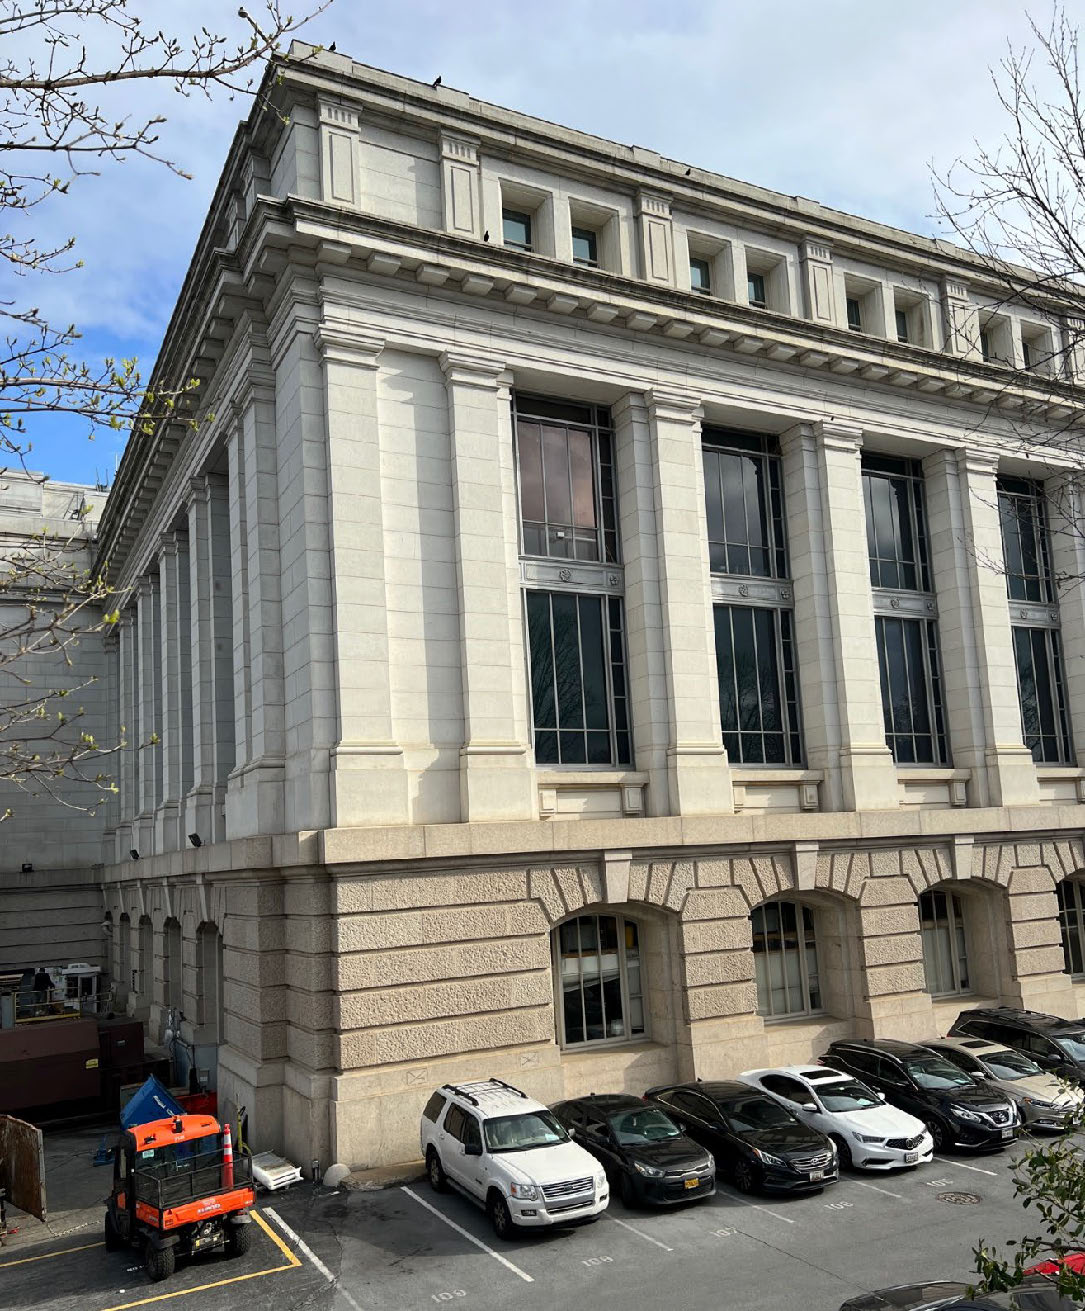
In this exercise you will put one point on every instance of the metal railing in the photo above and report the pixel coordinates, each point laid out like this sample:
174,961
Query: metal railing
177,1182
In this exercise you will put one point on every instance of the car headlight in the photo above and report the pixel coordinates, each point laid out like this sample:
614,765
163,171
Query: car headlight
525,1192
650,1171
600,1181
708,1165
963,1113
767,1158
866,1138
1038,1102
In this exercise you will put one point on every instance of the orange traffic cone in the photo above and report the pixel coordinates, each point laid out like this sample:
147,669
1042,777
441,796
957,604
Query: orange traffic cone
227,1158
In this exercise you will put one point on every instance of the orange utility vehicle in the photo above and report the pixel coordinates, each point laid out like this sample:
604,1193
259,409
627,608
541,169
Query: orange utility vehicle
177,1190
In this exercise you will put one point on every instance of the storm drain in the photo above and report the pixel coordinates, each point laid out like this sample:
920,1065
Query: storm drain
960,1199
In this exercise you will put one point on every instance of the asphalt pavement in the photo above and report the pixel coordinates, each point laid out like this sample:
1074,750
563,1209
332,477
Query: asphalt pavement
405,1247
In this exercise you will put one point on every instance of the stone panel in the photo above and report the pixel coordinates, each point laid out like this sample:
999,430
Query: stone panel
411,1003
432,964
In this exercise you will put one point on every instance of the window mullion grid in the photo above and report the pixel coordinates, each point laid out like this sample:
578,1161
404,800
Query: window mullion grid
623,978
757,688
935,708
1078,895
954,957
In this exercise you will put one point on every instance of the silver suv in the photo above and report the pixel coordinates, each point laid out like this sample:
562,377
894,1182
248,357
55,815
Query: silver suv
508,1153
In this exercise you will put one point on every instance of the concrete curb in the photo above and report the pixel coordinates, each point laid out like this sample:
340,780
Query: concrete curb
385,1176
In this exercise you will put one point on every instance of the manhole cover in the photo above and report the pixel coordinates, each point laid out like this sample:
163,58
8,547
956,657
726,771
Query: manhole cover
960,1199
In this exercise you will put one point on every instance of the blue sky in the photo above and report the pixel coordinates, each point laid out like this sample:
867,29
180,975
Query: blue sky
846,102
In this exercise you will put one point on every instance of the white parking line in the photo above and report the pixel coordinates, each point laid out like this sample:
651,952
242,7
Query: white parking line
775,1214
974,1168
470,1237
875,1189
647,1237
308,1251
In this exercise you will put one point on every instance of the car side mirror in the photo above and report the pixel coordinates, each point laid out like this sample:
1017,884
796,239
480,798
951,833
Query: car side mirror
879,1094
808,1106
978,1076
472,1149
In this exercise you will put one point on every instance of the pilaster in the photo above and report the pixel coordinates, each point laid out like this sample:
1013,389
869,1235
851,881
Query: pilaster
979,673
699,777
844,727
655,234
340,154
960,320
461,186
817,283
150,712
497,778
368,774
128,729
176,748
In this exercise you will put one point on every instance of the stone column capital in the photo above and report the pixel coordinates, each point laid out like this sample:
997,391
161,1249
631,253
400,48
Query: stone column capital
200,486
674,406
466,369
980,463
835,436
346,343
631,406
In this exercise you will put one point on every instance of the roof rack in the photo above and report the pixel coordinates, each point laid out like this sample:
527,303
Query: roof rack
467,1091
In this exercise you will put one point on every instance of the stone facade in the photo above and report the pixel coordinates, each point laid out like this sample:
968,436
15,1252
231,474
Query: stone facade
332,606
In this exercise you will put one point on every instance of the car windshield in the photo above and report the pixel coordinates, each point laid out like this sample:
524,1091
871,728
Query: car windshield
935,1073
1010,1065
850,1096
520,1133
752,1113
647,1126
1073,1045
172,1158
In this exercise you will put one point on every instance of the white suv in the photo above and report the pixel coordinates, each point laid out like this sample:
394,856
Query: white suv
509,1154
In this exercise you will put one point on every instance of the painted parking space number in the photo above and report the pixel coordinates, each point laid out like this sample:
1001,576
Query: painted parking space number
725,1233
597,1260
838,1206
937,1183
448,1296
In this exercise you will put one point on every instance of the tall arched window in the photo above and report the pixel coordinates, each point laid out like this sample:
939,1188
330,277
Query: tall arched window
785,959
1071,894
171,935
597,967
945,951
124,928
146,955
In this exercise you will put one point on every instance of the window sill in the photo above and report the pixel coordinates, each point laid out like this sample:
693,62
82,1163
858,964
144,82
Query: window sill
631,1045
777,774
589,776
779,1021
936,773
1054,772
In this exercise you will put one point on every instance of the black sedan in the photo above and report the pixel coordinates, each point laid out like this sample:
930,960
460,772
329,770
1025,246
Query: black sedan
646,1156
758,1143
1033,1295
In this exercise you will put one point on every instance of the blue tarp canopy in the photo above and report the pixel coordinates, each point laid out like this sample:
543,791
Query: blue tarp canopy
152,1102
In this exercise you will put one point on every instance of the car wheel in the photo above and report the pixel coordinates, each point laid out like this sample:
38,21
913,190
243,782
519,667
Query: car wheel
113,1241
937,1133
435,1171
238,1240
158,1262
501,1218
843,1153
745,1176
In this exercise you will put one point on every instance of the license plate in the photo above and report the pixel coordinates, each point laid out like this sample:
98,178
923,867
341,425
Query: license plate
817,1174
910,1158
1007,1133
691,1183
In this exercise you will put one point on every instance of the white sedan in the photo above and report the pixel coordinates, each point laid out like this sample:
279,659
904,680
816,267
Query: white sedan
869,1134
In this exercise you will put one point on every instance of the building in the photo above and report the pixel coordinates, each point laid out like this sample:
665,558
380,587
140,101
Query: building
50,891
606,632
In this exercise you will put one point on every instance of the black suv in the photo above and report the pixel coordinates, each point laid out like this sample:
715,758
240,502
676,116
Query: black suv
646,1156
1056,1045
753,1138
957,1111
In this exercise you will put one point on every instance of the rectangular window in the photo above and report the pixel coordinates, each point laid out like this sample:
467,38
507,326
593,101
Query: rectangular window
578,686
1042,694
585,246
985,347
755,290
566,469
1026,354
1022,511
896,523
1071,895
755,668
901,317
855,314
911,690
700,276
744,504
516,229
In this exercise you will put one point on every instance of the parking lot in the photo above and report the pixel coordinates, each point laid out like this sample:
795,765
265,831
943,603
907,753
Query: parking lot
406,1247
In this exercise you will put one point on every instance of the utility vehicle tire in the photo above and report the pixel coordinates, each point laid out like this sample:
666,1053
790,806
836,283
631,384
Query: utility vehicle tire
158,1262
238,1239
113,1241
